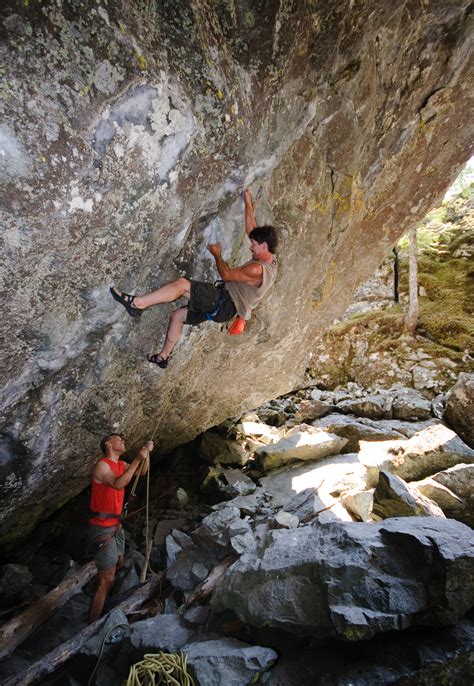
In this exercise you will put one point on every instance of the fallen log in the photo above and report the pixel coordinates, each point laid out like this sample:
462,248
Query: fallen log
17,630
49,663
206,587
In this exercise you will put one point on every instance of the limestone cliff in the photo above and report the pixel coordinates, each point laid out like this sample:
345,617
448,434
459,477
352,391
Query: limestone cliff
129,130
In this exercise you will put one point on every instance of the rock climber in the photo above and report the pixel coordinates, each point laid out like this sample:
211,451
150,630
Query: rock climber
239,292
106,538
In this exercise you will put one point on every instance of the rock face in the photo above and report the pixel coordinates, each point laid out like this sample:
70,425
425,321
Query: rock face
354,580
460,408
130,131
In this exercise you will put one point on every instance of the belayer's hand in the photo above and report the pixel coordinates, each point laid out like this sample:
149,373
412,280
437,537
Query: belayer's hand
144,453
215,249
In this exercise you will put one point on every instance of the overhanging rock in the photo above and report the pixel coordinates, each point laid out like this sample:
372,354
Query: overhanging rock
130,131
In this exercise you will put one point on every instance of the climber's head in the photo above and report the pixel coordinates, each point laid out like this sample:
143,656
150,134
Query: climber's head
263,235
114,442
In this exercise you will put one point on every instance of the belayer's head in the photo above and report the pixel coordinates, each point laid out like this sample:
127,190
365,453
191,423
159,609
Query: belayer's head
112,443
263,239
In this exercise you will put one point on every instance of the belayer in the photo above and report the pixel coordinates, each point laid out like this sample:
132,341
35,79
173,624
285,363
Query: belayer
239,292
106,538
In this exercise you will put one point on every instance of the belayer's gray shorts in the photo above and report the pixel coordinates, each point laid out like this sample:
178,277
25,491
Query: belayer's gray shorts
106,544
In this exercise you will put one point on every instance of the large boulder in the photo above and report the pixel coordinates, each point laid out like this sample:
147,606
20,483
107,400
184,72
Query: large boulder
394,498
329,477
354,580
459,412
459,481
303,442
427,452
452,505
129,131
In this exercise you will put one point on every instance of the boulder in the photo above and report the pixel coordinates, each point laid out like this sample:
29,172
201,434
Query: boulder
115,628
309,410
300,443
359,504
452,505
217,661
190,567
460,481
226,483
409,404
330,477
247,504
14,578
218,449
394,498
356,429
287,520
406,429
430,450
353,580
459,412
371,406
161,632
264,433
242,541
215,529
174,544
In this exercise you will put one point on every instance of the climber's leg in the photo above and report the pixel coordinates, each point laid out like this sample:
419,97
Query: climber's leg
165,294
175,327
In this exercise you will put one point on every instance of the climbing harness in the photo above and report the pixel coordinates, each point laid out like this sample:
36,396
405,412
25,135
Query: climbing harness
169,669
220,285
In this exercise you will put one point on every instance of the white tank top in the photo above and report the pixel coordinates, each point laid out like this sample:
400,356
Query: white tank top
247,297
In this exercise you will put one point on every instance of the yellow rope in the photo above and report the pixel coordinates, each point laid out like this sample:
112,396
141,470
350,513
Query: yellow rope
161,669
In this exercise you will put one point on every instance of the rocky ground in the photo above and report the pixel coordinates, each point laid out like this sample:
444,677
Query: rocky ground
341,530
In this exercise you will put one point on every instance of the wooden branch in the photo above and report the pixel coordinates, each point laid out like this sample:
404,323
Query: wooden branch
311,516
17,630
49,663
206,587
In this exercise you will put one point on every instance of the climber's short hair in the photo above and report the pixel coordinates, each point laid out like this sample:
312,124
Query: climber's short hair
265,234
103,442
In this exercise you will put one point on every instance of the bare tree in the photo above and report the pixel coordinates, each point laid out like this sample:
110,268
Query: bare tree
411,319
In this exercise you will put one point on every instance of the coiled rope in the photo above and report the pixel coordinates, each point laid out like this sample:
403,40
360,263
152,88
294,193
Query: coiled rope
161,669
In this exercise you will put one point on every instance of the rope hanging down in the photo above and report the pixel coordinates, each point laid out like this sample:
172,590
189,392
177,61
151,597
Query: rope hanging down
162,669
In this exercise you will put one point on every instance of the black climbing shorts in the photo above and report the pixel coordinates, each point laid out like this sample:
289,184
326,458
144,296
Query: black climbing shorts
205,298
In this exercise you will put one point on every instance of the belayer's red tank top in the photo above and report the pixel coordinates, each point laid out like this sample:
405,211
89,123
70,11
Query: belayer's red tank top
107,499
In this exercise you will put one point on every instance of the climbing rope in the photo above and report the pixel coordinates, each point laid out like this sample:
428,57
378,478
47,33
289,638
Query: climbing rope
167,669
104,640
147,527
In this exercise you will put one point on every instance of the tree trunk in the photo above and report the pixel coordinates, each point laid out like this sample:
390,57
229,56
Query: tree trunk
18,629
206,587
411,319
49,663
